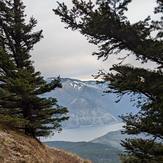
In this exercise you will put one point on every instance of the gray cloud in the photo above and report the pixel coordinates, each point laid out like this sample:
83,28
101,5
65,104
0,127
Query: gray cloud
66,53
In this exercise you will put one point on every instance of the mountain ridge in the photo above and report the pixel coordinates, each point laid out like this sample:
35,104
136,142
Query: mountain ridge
98,153
88,104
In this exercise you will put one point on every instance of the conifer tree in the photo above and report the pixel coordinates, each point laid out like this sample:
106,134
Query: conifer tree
105,24
21,87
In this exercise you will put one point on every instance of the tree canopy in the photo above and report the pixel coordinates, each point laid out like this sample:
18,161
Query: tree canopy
21,87
106,25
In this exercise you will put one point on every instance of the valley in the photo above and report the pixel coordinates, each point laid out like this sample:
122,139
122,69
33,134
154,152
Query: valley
94,128
96,152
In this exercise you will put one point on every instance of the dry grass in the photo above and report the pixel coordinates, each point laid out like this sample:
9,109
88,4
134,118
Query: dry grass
18,148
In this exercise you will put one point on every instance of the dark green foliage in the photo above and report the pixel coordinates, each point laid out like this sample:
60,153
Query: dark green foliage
143,151
21,86
104,24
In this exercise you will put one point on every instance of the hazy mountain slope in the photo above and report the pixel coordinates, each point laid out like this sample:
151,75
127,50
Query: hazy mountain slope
17,148
112,139
87,103
98,153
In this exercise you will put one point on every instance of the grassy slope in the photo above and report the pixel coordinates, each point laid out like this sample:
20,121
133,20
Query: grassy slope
17,148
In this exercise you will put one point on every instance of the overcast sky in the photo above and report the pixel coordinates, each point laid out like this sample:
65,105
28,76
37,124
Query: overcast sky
67,53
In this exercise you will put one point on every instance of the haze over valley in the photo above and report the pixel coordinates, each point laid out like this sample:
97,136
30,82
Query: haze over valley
94,118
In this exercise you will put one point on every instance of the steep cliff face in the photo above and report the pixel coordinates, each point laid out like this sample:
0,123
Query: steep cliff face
18,148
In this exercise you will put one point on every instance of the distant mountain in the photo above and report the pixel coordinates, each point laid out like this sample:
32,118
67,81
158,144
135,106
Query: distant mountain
115,138
96,152
105,149
87,104
112,139
90,106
